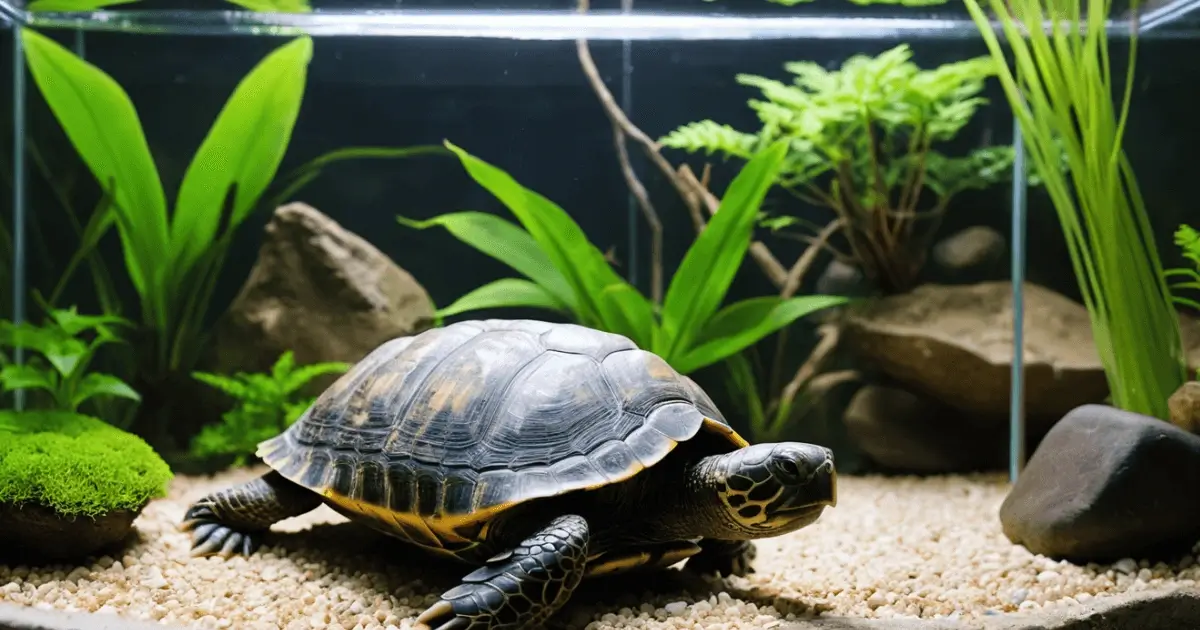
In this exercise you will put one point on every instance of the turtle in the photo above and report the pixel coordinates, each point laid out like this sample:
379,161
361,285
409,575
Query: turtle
537,454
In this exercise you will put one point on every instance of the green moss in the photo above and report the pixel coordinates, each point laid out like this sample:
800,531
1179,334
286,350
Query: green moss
76,464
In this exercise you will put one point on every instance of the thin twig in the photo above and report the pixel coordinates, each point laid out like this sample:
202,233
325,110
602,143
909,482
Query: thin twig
648,211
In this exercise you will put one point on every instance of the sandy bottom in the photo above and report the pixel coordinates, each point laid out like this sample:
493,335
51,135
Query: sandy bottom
892,547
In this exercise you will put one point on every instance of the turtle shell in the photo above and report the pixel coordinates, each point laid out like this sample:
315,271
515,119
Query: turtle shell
432,435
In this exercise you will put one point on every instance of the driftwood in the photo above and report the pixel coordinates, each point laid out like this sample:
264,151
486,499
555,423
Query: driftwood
702,203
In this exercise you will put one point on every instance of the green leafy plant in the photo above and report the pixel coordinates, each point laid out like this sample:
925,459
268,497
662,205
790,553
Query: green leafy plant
565,272
1061,95
64,353
173,259
265,404
1188,240
861,143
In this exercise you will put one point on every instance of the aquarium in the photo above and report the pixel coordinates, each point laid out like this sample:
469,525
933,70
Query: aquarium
623,314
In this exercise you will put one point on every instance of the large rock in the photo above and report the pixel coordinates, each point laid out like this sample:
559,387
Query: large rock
903,432
320,291
955,344
1107,484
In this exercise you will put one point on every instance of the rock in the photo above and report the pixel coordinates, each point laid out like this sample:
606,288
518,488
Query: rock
972,248
1106,484
320,291
903,432
954,344
1185,407
839,278
39,534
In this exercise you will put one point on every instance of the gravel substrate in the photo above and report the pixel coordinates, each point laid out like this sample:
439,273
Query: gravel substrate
893,547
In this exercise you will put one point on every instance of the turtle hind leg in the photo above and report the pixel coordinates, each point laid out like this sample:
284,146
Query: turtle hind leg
520,588
233,520
723,557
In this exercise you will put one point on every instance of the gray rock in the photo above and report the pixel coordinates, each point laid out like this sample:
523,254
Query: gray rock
1107,484
320,291
839,278
972,248
903,432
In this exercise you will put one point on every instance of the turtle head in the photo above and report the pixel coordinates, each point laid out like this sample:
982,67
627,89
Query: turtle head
766,490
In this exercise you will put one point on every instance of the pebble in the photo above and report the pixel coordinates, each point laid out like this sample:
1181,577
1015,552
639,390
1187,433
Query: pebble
948,559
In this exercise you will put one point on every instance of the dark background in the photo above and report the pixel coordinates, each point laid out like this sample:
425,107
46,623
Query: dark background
526,107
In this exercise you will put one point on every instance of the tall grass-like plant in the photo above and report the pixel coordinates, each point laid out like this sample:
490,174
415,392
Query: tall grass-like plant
1061,94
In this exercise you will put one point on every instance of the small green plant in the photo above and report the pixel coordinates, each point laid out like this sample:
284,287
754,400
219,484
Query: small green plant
567,273
861,143
1188,240
65,346
265,404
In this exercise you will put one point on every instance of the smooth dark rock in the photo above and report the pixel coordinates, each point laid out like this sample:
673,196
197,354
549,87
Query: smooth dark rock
904,432
34,533
1106,484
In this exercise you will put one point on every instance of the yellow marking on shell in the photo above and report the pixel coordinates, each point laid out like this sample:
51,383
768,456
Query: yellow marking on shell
439,529
618,563
726,431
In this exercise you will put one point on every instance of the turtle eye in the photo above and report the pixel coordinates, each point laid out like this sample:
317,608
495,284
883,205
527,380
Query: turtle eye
788,467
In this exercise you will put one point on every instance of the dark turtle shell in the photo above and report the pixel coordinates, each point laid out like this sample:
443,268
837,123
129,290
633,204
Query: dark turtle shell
432,435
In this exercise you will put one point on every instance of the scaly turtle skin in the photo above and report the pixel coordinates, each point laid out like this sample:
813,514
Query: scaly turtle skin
539,453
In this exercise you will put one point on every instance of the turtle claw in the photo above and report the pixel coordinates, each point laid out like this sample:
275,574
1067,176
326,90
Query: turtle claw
441,616
210,537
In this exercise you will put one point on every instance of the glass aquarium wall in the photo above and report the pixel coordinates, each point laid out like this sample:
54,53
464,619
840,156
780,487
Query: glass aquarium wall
878,265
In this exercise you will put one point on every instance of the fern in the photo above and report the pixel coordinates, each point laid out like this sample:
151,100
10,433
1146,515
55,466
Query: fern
1188,240
861,143
265,404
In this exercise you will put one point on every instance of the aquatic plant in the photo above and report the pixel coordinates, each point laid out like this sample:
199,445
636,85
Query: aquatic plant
265,404
1061,95
860,142
173,259
63,357
1188,240
76,464
567,273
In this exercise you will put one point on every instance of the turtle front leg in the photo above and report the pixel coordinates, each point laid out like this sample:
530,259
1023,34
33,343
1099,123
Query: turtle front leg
519,588
723,557
233,520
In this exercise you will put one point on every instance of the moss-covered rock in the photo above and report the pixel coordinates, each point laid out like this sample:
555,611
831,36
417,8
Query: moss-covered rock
71,484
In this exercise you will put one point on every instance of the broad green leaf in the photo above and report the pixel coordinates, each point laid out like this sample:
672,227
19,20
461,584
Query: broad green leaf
563,241
65,355
98,384
25,377
302,175
73,323
635,312
274,6
740,325
504,293
29,336
699,285
42,6
505,242
244,148
102,124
